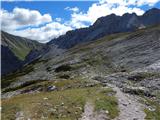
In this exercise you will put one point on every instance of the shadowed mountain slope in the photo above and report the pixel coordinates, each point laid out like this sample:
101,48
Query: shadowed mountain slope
18,45
14,51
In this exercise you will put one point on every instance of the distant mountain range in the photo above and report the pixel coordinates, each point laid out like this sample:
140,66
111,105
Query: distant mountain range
17,51
108,25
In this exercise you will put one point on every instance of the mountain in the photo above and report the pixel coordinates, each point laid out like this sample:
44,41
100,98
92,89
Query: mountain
18,45
108,25
121,52
102,75
14,50
57,85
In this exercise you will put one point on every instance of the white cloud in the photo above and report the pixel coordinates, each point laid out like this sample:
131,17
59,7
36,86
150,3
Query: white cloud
21,17
131,2
58,19
106,7
44,33
73,9
145,2
31,19
103,8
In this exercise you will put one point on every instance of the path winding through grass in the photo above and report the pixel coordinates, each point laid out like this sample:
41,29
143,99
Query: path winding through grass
130,108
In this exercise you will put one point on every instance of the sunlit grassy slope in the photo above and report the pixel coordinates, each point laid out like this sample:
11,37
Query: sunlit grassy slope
64,104
18,45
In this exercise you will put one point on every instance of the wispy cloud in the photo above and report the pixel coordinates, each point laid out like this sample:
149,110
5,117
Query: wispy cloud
73,9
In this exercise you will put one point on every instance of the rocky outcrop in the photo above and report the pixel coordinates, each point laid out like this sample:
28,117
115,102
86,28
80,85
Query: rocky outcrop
106,26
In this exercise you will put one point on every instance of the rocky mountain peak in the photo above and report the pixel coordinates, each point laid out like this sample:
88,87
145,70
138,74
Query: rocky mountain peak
151,16
108,25
129,15
105,19
152,11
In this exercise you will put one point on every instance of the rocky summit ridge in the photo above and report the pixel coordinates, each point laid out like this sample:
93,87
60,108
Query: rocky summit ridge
108,25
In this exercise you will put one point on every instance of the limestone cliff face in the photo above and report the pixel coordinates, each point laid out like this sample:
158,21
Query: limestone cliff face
108,25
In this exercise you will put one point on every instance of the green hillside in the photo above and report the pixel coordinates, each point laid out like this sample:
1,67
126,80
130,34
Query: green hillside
18,45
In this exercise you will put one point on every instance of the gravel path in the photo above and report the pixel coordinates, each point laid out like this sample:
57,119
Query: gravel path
90,114
130,108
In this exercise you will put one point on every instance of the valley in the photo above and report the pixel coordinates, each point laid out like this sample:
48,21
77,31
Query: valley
112,77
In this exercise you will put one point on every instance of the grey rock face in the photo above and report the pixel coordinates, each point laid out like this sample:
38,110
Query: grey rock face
108,25
115,57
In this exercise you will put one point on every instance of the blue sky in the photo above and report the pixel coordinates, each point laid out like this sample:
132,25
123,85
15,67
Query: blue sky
43,21
56,9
